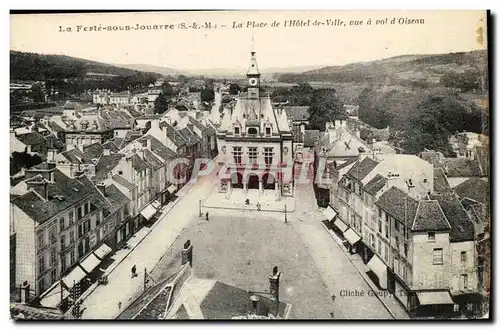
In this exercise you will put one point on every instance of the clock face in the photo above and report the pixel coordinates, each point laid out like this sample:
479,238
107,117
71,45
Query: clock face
252,82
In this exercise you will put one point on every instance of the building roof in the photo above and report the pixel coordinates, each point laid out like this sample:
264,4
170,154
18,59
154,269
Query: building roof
462,228
53,142
430,217
441,184
39,209
375,184
311,137
158,147
462,167
138,164
116,197
123,182
76,156
152,160
93,151
32,138
474,188
297,113
109,145
398,204
106,164
362,168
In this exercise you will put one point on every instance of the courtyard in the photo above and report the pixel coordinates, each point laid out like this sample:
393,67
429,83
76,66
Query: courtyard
240,248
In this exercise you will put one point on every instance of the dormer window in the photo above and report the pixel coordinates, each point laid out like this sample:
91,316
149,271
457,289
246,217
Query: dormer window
252,131
268,131
236,130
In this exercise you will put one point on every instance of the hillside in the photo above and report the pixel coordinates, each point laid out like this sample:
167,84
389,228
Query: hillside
426,69
31,66
152,68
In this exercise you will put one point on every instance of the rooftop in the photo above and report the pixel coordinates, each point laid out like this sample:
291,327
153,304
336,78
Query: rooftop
474,188
462,228
297,113
430,217
362,168
399,205
375,185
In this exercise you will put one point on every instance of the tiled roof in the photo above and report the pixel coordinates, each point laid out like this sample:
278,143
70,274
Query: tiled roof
116,197
393,202
311,137
106,164
297,113
474,188
93,151
109,145
441,184
362,168
56,127
433,157
152,160
138,164
122,181
461,167
375,185
32,138
197,124
462,228
430,217
40,210
76,156
118,142
53,142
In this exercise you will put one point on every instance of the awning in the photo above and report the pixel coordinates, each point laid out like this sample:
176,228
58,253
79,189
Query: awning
90,263
75,276
156,204
340,225
377,266
329,213
148,211
351,236
52,297
102,251
172,188
434,297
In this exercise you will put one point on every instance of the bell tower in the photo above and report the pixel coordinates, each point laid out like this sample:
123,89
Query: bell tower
253,76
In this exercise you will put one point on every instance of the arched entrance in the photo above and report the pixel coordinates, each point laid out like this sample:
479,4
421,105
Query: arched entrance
237,180
268,181
253,182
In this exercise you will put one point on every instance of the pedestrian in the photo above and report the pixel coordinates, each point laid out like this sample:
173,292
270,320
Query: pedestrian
133,271
206,216
119,307
258,206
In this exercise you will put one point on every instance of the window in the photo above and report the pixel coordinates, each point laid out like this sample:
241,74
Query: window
98,219
80,230
252,131
268,131
380,226
41,264
463,256
41,239
406,249
63,264
53,233
53,276
71,217
72,256
386,231
71,236
53,256
86,226
463,281
61,224
63,241
431,236
41,284
396,225
268,155
379,249
252,154
386,255
379,213
120,172
78,213
437,256
87,208
237,154
372,240
397,242
236,130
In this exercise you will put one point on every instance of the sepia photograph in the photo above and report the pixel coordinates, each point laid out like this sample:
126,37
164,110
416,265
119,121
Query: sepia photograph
250,165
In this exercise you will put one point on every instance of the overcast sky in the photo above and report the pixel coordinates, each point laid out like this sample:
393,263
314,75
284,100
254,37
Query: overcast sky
443,32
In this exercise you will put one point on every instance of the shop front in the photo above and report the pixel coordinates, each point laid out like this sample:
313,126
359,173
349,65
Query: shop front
352,239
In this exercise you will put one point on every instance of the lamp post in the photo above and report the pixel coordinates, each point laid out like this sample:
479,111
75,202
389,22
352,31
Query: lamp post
285,216
199,204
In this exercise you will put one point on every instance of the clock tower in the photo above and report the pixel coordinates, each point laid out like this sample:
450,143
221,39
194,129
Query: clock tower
253,76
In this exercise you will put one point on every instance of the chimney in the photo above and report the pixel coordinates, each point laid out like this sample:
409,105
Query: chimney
51,156
106,152
391,178
148,144
46,190
102,188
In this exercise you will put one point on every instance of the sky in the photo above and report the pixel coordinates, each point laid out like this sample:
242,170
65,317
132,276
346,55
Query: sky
229,47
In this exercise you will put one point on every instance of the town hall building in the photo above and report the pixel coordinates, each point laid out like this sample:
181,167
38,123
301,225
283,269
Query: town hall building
255,143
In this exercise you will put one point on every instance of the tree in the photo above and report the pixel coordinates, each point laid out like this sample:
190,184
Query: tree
325,107
234,89
168,90
207,95
23,160
161,104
